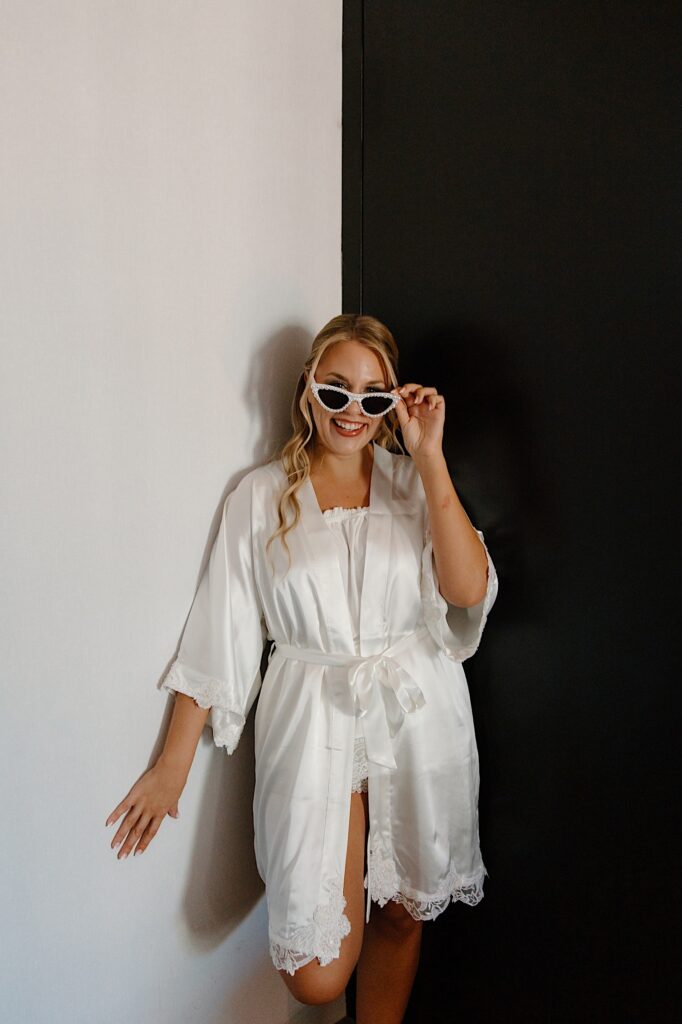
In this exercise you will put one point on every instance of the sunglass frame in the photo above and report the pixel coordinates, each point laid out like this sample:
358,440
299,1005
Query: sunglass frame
315,387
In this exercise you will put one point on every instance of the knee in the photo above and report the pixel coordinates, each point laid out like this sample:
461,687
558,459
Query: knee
395,918
315,988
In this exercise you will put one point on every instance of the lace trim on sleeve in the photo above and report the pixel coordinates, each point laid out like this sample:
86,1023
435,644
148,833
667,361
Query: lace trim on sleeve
227,724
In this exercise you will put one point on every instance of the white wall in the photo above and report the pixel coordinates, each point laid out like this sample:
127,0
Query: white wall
171,241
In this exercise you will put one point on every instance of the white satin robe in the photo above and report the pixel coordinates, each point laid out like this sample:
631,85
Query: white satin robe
423,842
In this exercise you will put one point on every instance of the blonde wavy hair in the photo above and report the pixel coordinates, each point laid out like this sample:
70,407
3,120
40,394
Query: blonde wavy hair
294,453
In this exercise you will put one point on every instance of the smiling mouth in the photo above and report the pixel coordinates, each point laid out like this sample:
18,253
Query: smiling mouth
348,425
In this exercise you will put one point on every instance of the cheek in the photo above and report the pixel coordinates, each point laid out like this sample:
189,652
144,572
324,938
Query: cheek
316,413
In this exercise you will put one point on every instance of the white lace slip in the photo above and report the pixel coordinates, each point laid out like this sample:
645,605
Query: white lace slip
342,508
321,938
360,766
349,529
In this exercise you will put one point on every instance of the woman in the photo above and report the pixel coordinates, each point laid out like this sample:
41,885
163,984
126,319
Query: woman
360,563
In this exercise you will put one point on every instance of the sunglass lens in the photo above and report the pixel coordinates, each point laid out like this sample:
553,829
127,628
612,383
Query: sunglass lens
333,400
374,405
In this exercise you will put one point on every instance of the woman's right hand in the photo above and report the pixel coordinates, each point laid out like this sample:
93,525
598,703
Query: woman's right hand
153,796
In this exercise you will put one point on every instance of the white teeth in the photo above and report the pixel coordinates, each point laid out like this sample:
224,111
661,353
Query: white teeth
348,426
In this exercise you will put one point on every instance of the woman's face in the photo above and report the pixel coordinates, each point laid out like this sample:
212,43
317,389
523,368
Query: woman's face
354,367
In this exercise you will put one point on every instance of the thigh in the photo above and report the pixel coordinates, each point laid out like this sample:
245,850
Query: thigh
353,887
313,983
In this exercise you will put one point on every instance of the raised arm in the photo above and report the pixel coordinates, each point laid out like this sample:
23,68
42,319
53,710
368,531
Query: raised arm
460,556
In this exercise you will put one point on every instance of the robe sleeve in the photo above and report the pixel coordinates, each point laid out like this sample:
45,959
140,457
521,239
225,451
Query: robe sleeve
218,661
457,631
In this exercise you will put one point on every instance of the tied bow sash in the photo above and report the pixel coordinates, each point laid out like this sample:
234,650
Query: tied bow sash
369,678
383,690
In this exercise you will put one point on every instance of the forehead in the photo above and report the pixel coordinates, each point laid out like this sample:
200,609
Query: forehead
352,359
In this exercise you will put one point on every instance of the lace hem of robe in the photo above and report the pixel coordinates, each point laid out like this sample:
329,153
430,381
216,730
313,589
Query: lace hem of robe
386,885
321,938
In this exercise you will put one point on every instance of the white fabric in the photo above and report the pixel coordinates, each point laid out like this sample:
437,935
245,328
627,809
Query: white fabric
407,681
349,531
360,766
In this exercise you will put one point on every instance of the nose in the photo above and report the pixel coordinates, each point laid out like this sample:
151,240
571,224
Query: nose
354,411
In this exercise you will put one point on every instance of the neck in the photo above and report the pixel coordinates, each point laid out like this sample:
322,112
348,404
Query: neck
342,467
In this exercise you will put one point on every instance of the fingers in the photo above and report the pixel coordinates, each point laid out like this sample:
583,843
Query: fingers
134,835
414,394
124,828
144,808
118,811
148,834
138,824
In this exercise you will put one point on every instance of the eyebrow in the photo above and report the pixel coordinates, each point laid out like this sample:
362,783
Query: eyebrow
346,381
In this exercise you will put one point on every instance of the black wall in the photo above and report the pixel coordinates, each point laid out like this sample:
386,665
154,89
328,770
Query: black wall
512,213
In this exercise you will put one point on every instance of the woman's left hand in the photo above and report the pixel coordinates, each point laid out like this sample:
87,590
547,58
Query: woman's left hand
421,415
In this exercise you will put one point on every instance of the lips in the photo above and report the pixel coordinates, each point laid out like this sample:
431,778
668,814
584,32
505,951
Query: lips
348,433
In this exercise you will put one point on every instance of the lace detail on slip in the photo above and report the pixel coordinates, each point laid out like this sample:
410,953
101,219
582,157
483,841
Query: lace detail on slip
386,885
360,766
342,508
321,938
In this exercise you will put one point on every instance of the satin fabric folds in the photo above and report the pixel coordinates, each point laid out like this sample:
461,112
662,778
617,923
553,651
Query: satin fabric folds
407,682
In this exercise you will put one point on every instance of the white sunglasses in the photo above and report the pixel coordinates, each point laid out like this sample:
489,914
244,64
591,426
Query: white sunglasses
334,399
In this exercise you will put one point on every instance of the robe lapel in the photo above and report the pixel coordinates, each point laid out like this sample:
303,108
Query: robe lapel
377,554
386,503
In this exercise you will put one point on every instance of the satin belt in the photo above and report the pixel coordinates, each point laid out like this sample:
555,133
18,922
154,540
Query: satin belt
367,674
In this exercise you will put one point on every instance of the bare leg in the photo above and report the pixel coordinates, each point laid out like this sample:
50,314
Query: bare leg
387,965
313,983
